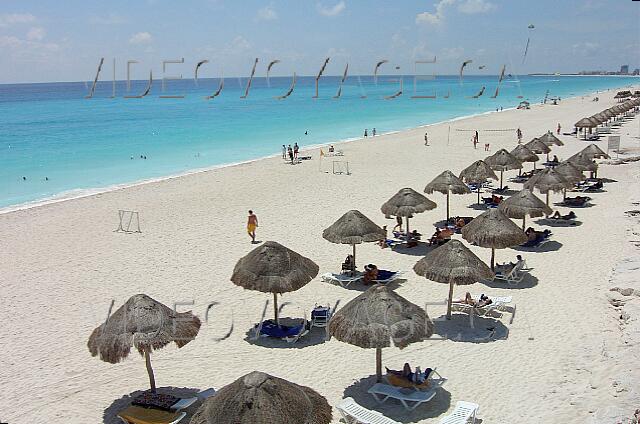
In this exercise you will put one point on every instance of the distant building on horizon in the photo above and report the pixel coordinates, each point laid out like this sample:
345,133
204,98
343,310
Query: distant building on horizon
624,69
636,71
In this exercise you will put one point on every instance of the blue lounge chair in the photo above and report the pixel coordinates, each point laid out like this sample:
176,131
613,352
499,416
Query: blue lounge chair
290,333
539,241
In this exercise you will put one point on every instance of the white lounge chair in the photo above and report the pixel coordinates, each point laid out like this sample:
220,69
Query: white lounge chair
410,399
515,275
464,413
498,304
343,280
353,413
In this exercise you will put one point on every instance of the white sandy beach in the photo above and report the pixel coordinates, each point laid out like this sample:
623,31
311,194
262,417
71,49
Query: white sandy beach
566,358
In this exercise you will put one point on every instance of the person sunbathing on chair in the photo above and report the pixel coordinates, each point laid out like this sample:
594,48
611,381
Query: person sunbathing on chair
417,377
507,267
460,223
570,215
496,199
348,264
468,300
370,274
534,235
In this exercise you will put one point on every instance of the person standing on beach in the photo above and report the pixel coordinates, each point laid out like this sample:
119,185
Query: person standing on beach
284,152
477,137
519,135
365,133
373,133
252,224
558,129
295,150
475,142
426,139
290,151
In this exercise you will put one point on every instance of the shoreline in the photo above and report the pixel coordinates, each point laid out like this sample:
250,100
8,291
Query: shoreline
82,193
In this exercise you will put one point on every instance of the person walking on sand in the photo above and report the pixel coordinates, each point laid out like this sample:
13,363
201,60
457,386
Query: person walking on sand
558,129
252,224
475,142
290,152
519,135
295,150
373,133
426,139
284,152
477,137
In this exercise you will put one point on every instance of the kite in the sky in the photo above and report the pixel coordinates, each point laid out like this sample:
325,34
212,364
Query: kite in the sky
464,64
526,49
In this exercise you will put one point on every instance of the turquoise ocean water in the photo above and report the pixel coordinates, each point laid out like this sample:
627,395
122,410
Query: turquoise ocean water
66,145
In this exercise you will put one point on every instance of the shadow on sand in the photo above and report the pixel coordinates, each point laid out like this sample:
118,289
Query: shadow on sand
558,222
394,409
315,336
110,415
550,246
527,282
360,286
463,327
420,250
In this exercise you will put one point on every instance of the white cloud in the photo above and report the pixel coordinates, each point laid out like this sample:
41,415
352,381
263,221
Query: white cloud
452,53
332,11
475,6
141,38
28,51
437,17
16,18
267,13
36,34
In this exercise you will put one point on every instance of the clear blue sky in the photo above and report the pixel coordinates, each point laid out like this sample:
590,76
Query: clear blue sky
63,41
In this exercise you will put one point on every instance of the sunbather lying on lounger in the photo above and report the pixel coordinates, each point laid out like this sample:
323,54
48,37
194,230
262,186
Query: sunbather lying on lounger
468,300
440,236
370,274
533,235
417,377
567,217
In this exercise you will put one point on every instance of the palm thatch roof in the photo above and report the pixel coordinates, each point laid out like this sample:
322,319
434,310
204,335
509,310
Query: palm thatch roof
537,146
407,202
353,228
379,317
445,183
478,172
259,398
569,172
273,268
524,154
493,229
524,203
595,152
597,119
583,162
548,180
502,160
586,123
549,139
452,263
142,323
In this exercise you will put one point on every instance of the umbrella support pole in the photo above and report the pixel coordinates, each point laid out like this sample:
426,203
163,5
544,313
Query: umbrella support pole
378,364
478,193
564,194
501,174
524,218
447,205
152,379
353,265
547,198
450,300
493,259
275,307
408,233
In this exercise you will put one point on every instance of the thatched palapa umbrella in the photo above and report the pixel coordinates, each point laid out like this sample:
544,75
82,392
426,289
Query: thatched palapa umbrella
145,324
407,202
524,154
594,152
537,146
259,398
493,229
548,180
569,173
272,268
549,139
447,183
583,161
377,318
478,173
502,161
353,228
585,123
454,264
524,203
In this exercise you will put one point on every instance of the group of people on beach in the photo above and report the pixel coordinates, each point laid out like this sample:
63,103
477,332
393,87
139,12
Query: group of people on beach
292,153
373,132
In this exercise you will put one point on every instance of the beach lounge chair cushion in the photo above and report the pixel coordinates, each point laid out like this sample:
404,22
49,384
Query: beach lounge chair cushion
271,329
353,413
399,381
140,415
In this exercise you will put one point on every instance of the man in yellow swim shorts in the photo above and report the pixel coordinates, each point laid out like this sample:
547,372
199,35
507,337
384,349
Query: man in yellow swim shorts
252,223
